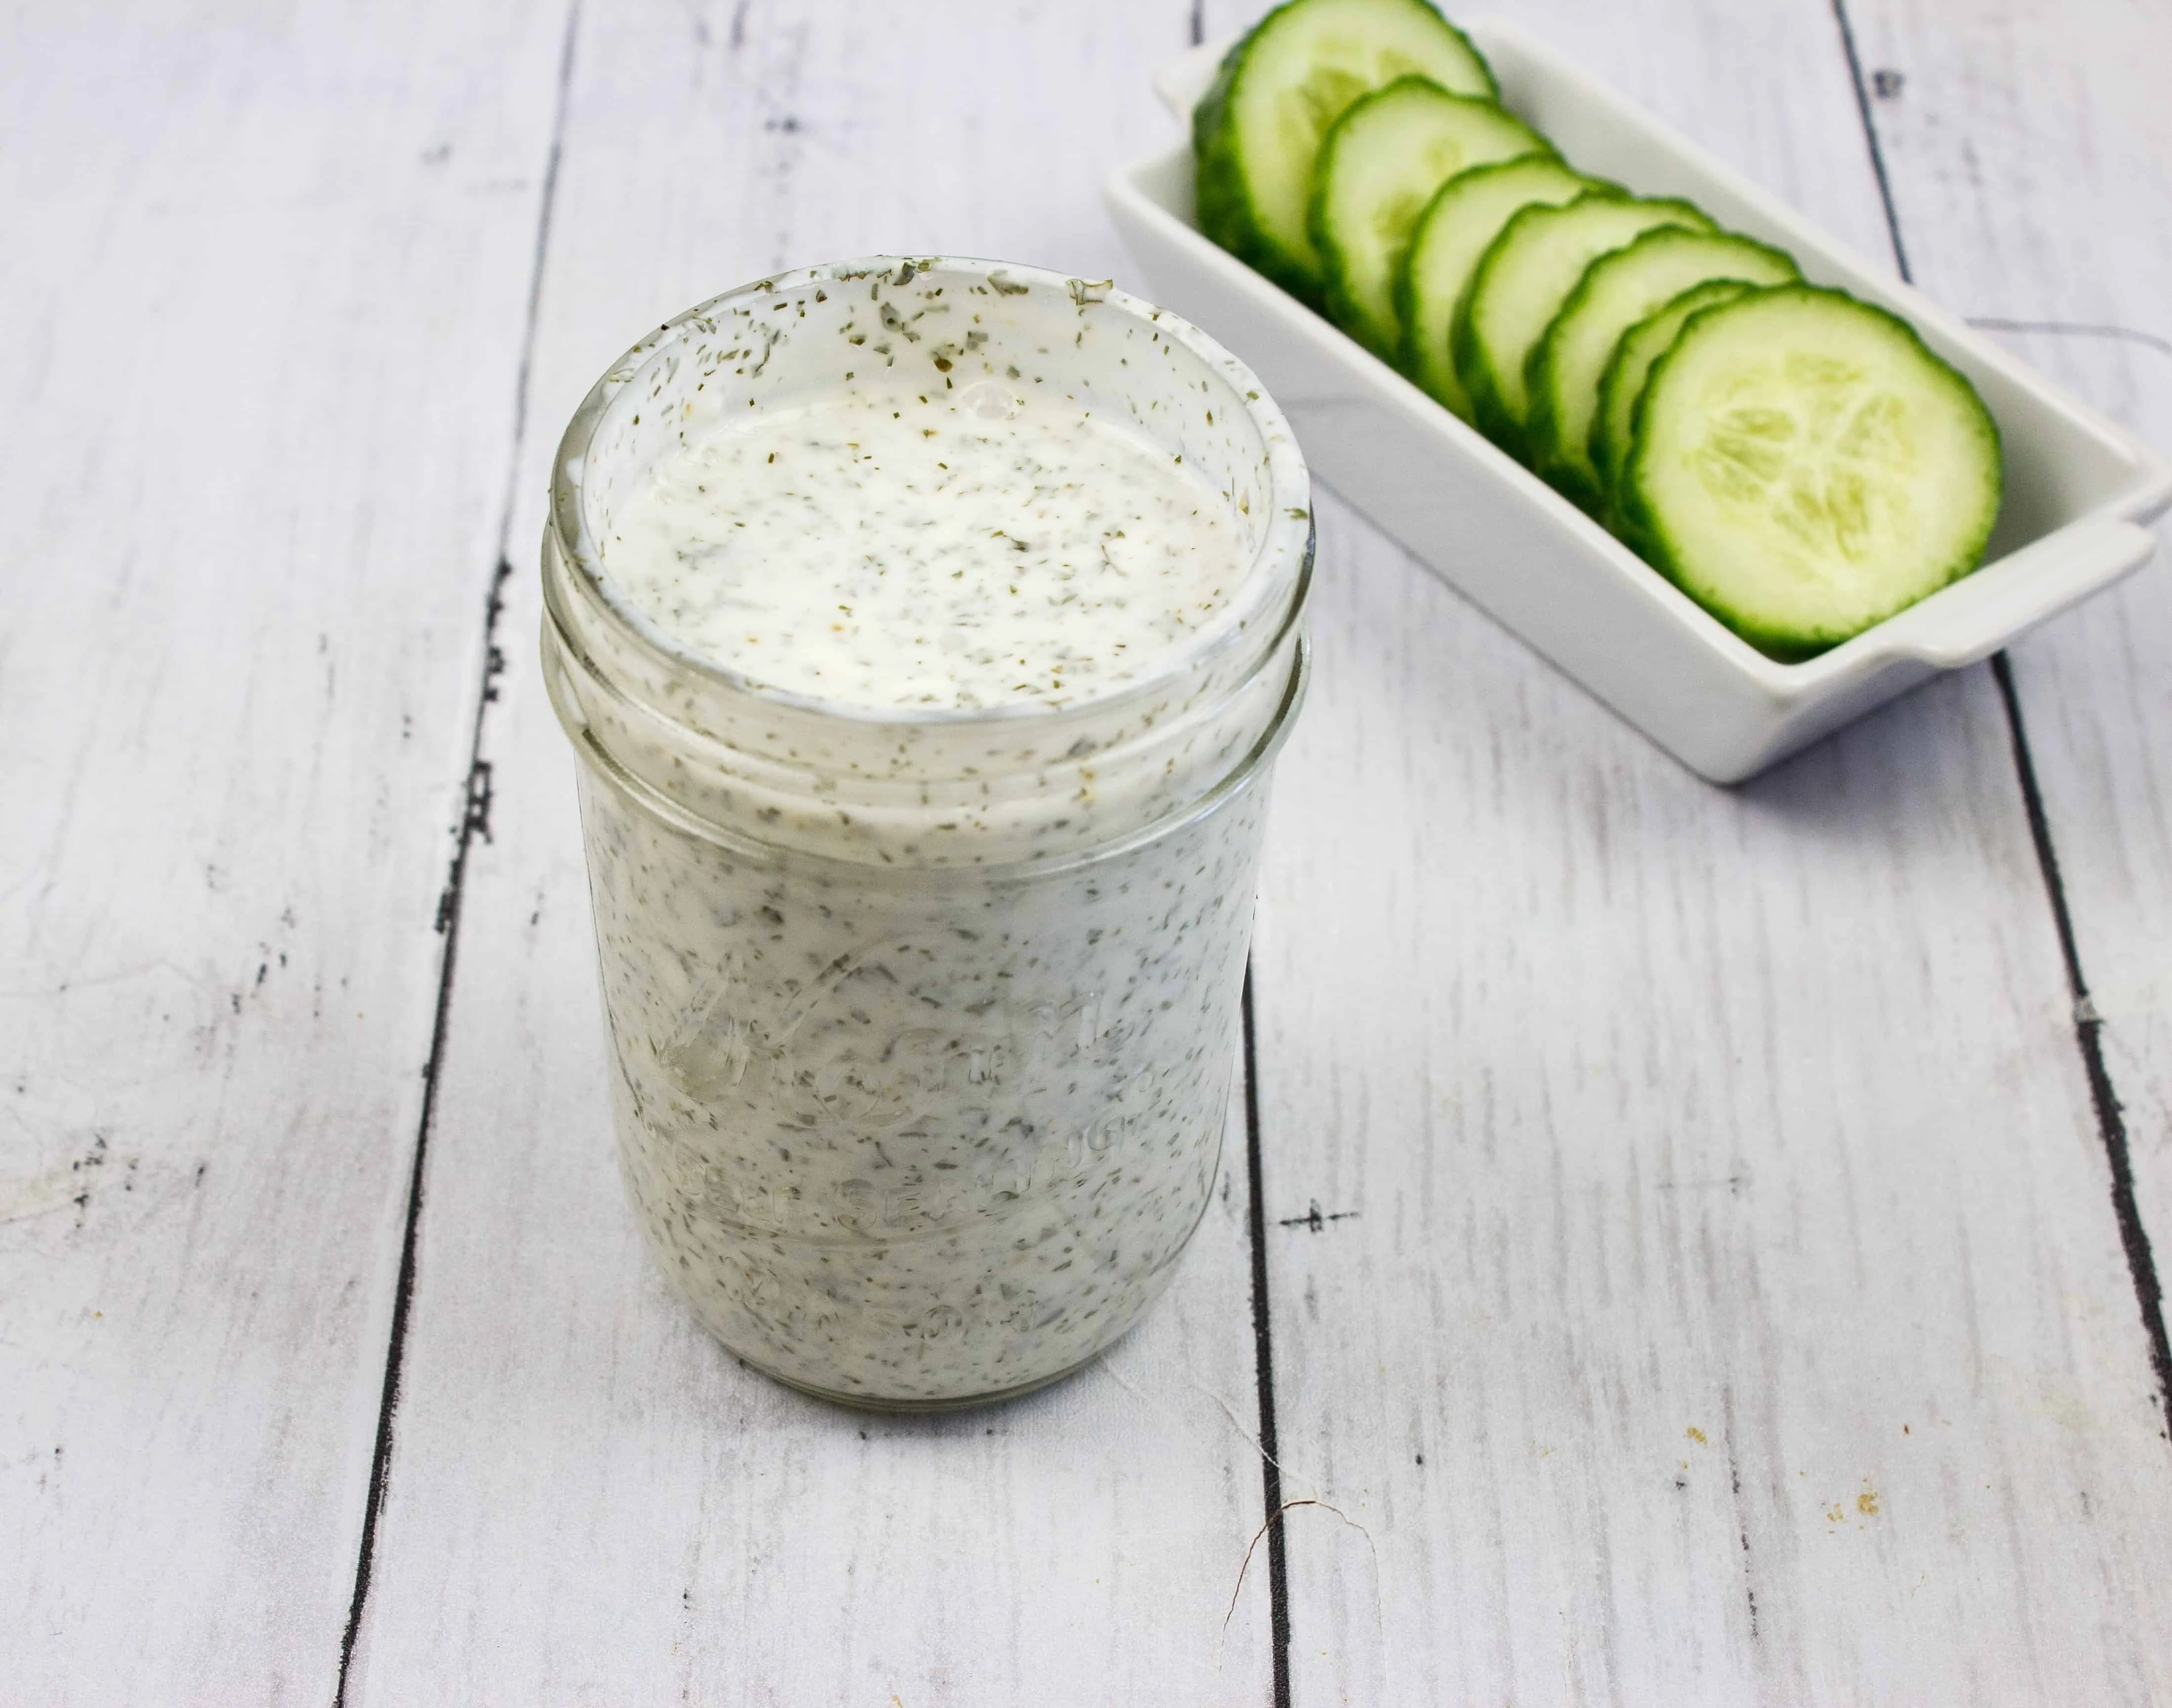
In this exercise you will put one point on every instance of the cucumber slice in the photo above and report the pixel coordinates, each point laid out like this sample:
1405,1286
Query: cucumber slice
1380,163
1256,133
1804,467
1623,382
1616,291
1451,235
1522,279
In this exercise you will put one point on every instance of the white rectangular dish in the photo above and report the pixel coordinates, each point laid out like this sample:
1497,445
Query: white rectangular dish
2077,487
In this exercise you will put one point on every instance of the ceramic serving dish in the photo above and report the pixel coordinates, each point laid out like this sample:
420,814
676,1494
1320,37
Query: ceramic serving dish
2079,489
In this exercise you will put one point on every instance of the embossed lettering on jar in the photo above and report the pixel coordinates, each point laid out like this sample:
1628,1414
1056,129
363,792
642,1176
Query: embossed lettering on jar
926,631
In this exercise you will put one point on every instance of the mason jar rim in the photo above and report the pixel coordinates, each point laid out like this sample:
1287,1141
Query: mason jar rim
1287,526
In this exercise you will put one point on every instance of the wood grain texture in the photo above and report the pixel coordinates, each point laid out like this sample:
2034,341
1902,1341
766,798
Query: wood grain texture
1693,1270
1728,1302
246,528
2030,155
588,1500
1653,1110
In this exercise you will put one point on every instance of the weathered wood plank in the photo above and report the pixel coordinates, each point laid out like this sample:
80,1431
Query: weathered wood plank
588,1500
1727,1301
264,284
2030,153
1662,1110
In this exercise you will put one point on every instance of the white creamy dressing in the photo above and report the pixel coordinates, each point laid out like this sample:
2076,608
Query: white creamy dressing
890,549
903,1128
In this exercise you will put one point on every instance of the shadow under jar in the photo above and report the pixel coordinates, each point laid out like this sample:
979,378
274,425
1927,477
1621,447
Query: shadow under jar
923,1014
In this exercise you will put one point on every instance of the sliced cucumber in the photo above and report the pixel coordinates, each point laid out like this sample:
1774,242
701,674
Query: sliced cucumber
1623,383
1257,130
1804,467
1526,275
1379,165
1463,217
1616,291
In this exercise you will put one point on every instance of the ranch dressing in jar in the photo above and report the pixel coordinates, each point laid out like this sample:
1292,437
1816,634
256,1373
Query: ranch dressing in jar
883,549
927,630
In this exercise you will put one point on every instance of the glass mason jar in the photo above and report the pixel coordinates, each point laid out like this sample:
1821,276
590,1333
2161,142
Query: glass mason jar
923,1023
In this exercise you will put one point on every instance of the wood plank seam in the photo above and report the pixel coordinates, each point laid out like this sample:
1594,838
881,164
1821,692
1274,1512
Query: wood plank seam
1862,89
1735,1492
2089,1028
475,820
2112,1125
1270,1470
2074,329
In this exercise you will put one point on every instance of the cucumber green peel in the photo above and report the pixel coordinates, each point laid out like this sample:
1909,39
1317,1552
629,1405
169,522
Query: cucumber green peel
1526,274
1258,129
1379,167
1451,235
1622,385
1804,467
1617,291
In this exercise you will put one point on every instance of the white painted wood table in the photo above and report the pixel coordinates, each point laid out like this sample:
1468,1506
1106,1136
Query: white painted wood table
1679,1246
